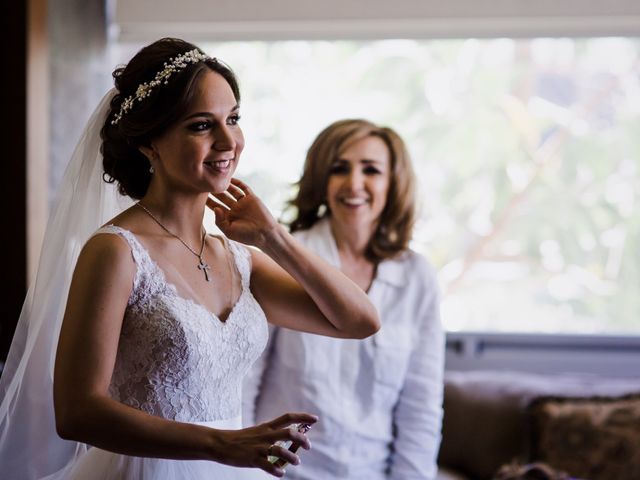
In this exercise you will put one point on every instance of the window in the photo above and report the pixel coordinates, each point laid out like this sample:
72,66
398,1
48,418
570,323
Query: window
527,153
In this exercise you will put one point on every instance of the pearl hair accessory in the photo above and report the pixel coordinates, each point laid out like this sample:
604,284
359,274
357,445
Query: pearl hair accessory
162,77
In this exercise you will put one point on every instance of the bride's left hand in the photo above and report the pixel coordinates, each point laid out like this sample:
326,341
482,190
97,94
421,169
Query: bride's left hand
245,219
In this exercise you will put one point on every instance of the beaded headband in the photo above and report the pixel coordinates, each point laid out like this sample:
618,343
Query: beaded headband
162,77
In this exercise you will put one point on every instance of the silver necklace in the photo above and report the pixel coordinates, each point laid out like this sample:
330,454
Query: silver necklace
202,265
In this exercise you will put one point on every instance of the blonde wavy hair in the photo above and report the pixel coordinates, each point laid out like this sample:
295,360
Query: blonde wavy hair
395,225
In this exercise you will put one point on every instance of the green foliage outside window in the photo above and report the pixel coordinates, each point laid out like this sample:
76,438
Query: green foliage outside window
527,153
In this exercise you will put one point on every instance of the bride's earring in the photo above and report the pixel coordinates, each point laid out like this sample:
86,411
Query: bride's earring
151,155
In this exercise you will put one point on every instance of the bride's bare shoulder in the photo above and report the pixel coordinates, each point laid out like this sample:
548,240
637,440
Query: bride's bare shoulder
110,246
106,246
105,259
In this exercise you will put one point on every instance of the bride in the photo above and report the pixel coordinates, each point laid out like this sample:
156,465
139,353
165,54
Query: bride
162,320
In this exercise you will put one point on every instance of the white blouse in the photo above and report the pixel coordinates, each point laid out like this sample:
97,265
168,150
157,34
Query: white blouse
379,399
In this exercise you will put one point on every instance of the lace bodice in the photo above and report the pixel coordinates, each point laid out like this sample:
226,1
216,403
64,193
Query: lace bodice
176,359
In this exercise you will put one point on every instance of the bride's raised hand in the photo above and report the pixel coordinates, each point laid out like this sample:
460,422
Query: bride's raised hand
252,447
242,216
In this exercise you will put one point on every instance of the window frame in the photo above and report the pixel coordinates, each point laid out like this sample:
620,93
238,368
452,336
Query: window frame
143,20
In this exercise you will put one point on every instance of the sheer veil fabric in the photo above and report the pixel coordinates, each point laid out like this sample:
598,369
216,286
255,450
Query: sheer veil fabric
29,445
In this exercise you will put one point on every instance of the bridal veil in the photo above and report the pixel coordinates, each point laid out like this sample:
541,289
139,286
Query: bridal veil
29,445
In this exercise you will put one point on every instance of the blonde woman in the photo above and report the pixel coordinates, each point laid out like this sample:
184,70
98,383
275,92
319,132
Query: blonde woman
380,399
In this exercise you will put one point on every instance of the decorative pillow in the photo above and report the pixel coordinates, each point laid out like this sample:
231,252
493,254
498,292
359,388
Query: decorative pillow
596,438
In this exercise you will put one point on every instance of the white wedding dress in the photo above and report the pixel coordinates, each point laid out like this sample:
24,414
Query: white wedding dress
179,361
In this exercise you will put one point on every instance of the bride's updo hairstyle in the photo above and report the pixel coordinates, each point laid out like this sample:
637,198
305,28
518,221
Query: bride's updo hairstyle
155,89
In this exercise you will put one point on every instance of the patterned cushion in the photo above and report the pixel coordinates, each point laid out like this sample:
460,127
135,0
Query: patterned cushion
597,438
530,471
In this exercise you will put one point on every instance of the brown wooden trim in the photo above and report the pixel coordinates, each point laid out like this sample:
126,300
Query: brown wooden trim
37,104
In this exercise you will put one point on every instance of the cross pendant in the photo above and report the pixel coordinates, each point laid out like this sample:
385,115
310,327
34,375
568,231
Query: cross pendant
204,267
